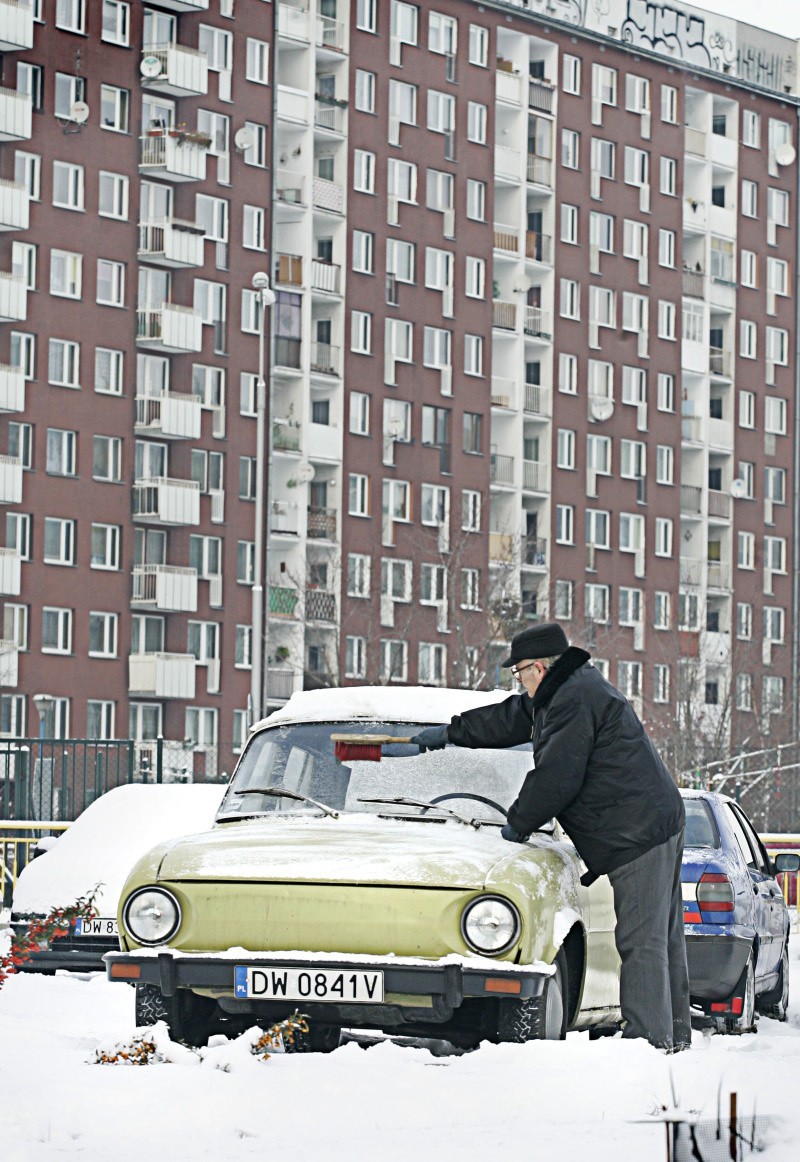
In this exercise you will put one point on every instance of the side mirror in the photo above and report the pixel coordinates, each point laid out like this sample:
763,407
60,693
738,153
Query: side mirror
787,861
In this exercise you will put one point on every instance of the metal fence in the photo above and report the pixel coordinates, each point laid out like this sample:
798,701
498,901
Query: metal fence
766,782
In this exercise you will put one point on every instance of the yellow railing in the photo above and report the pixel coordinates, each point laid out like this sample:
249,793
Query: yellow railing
17,842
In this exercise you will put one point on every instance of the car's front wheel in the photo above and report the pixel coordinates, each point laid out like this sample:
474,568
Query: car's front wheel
542,1018
775,1002
187,1016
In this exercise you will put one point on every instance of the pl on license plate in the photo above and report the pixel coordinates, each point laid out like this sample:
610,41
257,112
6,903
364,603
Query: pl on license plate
274,982
96,926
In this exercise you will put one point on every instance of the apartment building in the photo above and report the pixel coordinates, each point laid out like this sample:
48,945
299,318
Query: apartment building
532,354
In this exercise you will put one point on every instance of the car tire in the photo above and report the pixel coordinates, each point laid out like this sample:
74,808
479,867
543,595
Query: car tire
746,1023
775,1002
318,1039
542,1018
185,1015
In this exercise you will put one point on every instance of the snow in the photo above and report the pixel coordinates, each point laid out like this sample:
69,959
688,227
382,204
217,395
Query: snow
381,703
569,1100
105,841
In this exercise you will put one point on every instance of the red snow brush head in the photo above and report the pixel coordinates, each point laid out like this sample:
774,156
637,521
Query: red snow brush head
363,748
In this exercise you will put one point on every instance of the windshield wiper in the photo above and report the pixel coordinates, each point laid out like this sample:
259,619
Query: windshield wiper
403,802
283,793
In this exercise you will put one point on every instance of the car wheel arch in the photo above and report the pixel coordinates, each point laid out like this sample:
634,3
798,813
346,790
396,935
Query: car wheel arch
574,945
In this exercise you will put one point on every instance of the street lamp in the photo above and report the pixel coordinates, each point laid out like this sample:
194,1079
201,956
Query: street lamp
266,297
44,704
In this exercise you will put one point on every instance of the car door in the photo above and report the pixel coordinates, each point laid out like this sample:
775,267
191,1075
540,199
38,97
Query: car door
777,917
760,881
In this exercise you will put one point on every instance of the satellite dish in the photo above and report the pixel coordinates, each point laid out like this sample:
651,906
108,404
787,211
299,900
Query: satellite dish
79,112
602,409
150,67
785,154
305,472
243,139
738,489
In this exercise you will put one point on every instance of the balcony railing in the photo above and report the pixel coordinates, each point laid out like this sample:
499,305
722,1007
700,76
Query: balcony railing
325,358
540,95
507,163
184,5
173,414
172,242
283,518
175,156
536,322
504,393
694,284
691,571
719,362
286,352
694,141
538,246
327,195
330,33
719,503
15,202
329,116
16,25
280,683
166,501
170,327
539,170
13,298
289,269
534,475
504,315
501,547
10,572
537,400
691,500
325,276
534,552
165,587
321,523
182,71
12,389
320,605
290,188
282,600
9,663
285,438
10,480
508,86
719,575
161,675
293,21
507,239
15,115
501,468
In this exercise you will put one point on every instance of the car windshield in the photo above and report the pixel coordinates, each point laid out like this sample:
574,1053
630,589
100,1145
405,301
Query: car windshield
301,759
701,830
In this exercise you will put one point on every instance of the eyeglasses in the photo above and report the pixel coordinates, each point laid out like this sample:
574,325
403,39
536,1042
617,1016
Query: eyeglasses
516,671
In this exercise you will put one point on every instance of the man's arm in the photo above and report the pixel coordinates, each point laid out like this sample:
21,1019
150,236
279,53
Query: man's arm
496,726
561,757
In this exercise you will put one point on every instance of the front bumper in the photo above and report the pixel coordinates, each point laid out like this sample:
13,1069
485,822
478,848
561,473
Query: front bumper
440,986
716,961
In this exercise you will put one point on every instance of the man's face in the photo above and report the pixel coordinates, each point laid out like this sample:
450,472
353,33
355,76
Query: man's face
529,674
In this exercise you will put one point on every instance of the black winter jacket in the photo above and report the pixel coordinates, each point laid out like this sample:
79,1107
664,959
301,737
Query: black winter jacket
596,769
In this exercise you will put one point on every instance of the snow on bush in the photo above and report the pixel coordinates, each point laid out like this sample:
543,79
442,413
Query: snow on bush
153,1046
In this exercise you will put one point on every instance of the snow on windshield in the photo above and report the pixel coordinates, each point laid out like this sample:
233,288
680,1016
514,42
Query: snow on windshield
301,759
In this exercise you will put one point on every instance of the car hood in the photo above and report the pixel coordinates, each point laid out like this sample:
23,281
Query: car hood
355,849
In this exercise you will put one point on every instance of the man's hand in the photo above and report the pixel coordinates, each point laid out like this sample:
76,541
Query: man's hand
431,738
508,832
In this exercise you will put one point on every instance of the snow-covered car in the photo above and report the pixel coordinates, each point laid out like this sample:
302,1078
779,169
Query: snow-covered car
369,894
735,918
100,848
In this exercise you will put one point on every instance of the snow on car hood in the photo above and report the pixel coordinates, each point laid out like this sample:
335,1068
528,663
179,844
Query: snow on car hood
353,849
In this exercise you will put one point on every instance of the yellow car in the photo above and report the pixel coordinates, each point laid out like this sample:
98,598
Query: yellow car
369,892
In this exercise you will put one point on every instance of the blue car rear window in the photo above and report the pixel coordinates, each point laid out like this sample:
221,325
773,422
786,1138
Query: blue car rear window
701,829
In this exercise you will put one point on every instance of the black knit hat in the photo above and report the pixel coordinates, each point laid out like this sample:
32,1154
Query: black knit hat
541,641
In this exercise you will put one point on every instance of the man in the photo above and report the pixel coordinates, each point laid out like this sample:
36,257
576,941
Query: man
597,771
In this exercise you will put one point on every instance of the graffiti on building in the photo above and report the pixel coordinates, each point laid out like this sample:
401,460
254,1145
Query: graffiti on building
570,11
760,66
665,29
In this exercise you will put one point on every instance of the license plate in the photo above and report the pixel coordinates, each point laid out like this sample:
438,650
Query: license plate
276,983
96,926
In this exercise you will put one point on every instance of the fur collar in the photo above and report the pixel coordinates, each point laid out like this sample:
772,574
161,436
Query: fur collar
571,660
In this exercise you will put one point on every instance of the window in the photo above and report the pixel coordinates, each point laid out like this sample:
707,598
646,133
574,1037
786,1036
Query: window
110,283
30,82
71,15
669,104
114,108
364,171
666,392
666,319
596,603
396,579
778,276
400,258
365,91
66,274
113,195
358,575
775,554
201,726
665,464
441,112
470,589
748,339
571,74
630,606
744,691
601,232
772,695
106,546
432,584
778,206
669,176
632,459
777,342
637,166
775,415
100,715
751,129
470,511
637,94
570,298
402,180
629,679
107,458
367,15
397,500
361,333
749,204
749,268
604,86
631,532
358,494
103,632
475,277
355,657
603,306
774,484
603,158
565,456
245,562
145,720
254,228
774,622
477,120
402,105
67,185
18,533
662,609
666,248
62,448
363,251
746,550
570,148
68,90
660,683
437,343
56,630
478,45
257,66
476,200
20,442
359,413
569,223
28,172
568,373
472,433
256,155
435,504
205,555
115,30
744,620
563,599
15,624
598,454
108,367
565,524
394,661
663,540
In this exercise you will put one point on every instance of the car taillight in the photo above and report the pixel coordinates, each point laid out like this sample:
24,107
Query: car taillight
715,893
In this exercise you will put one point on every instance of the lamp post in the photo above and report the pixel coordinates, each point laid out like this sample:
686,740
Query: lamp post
266,297
44,704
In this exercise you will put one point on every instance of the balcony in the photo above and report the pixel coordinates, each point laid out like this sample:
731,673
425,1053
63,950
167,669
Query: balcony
537,401
536,323
326,276
538,247
691,571
283,519
174,156
329,115
12,389
290,189
322,442
534,475
534,553
320,605
718,575
162,675
694,284
321,523
280,684
508,87
293,21
504,315
719,504
15,205
169,328
502,548
173,415
540,95
719,362
174,69
507,164
282,601
694,141
172,242
169,502
293,105
501,469
504,394
9,663
16,25
506,239
286,352
327,195
539,170
165,587
288,270
15,115
285,436
691,500
13,298
10,480
10,572
330,33
325,359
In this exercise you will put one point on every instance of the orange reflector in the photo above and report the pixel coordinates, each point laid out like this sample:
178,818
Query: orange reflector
719,1007
126,971
692,918
500,984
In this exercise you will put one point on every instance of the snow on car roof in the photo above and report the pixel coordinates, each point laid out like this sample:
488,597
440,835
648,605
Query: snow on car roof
382,703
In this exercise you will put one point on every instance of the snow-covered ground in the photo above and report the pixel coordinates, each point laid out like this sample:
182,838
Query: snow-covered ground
595,1101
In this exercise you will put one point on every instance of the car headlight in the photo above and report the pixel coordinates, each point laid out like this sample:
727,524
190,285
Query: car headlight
490,925
152,915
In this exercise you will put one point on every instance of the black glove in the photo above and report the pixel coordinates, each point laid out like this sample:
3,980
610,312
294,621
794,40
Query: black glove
431,738
508,832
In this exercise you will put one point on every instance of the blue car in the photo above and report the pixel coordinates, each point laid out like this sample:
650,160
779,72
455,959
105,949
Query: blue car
735,918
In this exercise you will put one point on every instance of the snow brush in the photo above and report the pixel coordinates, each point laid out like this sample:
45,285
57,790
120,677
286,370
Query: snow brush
365,748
